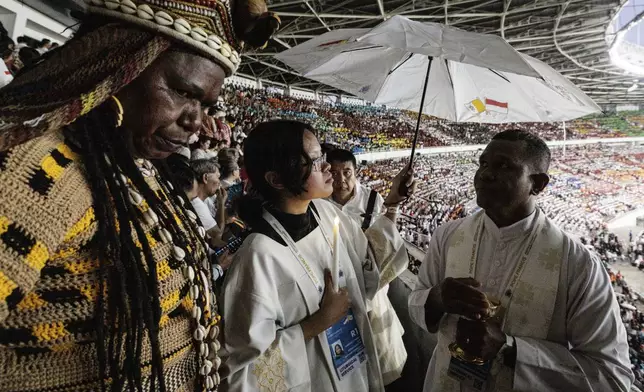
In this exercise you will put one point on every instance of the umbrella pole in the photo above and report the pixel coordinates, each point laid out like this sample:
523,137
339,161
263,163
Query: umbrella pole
420,113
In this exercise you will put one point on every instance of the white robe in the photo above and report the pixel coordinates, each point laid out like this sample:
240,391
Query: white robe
267,293
388,330
585,347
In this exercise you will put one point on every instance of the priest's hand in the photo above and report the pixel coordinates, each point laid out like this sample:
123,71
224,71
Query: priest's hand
402,187
461,296
334,306
483,339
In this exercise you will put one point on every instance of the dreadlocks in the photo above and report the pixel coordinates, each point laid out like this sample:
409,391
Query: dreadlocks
130,310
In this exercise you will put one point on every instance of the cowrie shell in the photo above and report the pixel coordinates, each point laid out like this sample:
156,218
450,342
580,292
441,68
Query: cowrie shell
182,26
163,18
128,7
145,12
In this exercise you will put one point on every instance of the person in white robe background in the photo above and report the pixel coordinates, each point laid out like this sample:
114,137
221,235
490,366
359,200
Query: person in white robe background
275,314
562,329
349,194
353,199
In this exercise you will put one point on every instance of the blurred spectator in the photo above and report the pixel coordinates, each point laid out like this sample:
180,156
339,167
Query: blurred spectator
44,46
201,149
6,51
23,42
28,56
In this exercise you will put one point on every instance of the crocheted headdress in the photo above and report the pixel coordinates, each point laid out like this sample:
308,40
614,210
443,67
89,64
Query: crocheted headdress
85,72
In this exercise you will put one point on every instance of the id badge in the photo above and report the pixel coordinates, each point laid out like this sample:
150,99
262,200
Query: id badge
469,375
345,344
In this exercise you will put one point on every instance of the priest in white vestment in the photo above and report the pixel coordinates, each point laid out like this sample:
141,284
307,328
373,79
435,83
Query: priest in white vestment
560,328
279,303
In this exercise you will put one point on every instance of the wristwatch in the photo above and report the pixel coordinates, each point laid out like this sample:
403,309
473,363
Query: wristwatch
509,351
394,209
506,357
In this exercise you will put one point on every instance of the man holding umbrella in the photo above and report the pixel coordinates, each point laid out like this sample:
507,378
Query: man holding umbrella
517,304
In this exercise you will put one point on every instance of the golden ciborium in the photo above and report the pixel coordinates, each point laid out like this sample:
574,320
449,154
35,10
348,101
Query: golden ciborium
462,337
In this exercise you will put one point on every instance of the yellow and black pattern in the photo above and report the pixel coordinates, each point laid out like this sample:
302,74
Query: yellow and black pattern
49,279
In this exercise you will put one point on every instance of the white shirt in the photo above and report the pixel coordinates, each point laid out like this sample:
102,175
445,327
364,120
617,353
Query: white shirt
5,75
586,349
202,154
203,213
211,203
357,205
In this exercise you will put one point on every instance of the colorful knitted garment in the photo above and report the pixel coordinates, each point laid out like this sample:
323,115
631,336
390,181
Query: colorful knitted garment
49,278
49,250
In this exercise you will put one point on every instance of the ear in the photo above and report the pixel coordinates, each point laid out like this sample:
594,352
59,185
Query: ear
204,178
539,183
273,180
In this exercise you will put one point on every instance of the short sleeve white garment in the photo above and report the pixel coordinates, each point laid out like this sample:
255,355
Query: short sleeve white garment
203,213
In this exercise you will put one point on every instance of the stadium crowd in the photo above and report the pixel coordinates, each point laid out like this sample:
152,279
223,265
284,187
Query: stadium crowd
363,128
611,250
589,186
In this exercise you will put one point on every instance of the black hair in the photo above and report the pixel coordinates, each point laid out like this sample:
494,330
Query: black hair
199,142
181,171
28,56
44,42
341,155
200,167
228,161
327,147
537,151
278,146
5,50
130,310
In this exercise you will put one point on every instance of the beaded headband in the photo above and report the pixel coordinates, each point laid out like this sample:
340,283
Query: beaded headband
204,25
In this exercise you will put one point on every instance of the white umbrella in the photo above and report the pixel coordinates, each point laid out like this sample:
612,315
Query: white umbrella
341,55
467,93
440,71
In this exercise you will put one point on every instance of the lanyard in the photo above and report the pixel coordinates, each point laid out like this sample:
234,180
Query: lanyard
281,231
518,270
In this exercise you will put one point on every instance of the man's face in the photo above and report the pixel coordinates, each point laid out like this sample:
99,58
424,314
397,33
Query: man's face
163,106
212,183
503,180
344,177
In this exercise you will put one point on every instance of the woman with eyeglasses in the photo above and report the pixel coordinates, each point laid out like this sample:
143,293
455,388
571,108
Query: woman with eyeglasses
284,316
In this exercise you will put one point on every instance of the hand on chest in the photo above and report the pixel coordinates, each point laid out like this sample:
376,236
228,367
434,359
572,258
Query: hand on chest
302,280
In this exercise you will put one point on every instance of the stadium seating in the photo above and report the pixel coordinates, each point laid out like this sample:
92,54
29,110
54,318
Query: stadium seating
370,128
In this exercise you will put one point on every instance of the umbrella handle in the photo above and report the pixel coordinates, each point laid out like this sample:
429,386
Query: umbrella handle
402,190
420,111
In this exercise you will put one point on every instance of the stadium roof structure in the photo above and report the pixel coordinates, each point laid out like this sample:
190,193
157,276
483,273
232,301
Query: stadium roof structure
572,36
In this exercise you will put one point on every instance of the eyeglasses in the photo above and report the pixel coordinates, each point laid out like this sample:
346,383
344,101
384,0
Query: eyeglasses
317,164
